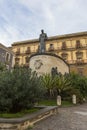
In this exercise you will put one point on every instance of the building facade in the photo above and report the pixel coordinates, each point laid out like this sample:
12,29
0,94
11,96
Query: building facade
6,56
71,47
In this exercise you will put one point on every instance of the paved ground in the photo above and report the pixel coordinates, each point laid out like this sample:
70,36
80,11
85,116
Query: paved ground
73,118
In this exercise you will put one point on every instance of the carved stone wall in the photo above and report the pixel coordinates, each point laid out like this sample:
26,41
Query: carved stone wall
43,63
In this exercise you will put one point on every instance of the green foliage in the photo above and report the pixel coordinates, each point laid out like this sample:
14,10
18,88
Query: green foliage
53,102
67,103
56,85
30,127
79,82
66,86
2,67
18,114
48,102
47,83
19,89
61,84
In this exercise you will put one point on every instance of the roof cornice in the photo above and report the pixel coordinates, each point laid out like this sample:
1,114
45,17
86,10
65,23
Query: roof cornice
6,48
57,37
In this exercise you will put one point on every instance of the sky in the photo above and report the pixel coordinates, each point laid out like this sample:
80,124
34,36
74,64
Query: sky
23,19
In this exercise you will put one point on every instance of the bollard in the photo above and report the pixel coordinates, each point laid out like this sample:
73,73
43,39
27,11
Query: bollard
74,99
59,100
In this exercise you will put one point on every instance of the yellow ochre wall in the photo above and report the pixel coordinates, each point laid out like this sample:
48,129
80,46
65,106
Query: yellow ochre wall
57,42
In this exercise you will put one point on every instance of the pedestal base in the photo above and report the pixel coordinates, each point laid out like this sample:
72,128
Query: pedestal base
44,62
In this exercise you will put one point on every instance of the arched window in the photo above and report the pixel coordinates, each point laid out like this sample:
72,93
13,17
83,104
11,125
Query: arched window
7,57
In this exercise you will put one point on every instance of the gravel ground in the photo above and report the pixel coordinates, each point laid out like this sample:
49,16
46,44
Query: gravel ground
72,118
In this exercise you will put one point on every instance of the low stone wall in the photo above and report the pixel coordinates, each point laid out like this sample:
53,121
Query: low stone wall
28,120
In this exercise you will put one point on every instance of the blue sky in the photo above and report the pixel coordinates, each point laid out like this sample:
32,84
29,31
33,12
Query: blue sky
23,19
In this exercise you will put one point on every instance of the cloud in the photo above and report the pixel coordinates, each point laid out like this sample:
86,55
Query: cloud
23,19
59,16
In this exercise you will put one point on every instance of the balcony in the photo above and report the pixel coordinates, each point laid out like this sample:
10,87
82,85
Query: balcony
26,65
78,62
17,52
78,44
72,48
51,49
63,48
27,51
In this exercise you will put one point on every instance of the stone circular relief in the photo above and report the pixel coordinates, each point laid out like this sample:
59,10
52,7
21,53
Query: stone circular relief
38,64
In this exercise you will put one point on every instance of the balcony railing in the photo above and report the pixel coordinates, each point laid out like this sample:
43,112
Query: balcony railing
51,49
63,47
80,62
70,47
83,61
27,51
17,52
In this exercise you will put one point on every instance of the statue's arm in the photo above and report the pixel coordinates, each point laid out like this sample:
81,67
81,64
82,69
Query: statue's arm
39,37
46,36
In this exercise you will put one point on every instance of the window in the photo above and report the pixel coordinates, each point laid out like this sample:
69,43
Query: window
38,48
78,44
79,55
51,48
28,50
17,60
27,59
63,45
7,57
18,51
64,56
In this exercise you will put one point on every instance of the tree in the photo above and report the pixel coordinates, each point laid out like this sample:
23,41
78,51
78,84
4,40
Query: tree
2,67
19,89
79,82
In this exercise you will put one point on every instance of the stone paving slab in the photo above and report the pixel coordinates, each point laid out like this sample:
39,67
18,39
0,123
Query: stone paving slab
66,119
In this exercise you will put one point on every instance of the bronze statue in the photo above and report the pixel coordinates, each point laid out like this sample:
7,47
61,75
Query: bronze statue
54,71
42,39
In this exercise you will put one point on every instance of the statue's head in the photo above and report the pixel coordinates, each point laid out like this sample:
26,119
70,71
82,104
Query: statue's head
42,31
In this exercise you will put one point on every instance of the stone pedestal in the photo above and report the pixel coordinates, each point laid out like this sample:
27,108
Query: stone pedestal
42,63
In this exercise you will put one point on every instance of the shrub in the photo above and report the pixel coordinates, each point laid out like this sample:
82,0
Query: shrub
19,89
